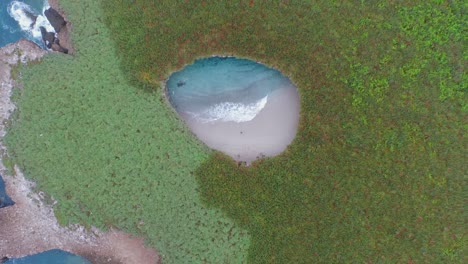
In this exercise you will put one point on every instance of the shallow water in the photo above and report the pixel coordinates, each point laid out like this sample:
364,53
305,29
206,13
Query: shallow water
54,256
236,106
16,18
223,89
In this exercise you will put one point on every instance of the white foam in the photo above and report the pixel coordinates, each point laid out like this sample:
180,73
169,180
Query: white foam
46,6
18,11
229,111
41,21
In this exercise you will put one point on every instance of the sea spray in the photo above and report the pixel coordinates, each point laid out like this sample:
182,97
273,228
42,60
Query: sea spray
24,21
230,111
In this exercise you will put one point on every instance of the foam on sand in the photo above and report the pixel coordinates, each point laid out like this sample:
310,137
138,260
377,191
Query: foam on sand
240,107
231,111
266,135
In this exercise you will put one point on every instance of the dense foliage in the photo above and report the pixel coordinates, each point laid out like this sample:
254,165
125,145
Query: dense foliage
113,155
376,170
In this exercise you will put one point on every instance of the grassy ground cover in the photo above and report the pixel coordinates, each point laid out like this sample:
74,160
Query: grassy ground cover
114,155
375,174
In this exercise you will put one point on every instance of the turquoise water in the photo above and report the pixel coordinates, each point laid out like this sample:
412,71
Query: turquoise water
22,19
224,89
54,256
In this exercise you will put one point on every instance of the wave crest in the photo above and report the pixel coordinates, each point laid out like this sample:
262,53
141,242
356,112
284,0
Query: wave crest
229,111
29,20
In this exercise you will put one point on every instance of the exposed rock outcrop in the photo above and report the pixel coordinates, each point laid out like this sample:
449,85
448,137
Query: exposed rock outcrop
51,41
55,19
58,20
31,16
56,47
47,37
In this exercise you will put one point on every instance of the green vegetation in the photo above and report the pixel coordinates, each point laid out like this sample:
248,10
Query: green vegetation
113,155
374,175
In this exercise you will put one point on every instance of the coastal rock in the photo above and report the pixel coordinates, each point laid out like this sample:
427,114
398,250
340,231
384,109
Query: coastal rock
56,47
5,200
47,37
56,20
10,55
51,41
31,16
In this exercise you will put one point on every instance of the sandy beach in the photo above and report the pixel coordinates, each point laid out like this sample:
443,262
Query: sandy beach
268,134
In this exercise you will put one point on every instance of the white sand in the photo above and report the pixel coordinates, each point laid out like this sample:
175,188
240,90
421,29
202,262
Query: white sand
268,134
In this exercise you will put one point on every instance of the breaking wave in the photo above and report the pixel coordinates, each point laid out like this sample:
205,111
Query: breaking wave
229,111
223,89
29,20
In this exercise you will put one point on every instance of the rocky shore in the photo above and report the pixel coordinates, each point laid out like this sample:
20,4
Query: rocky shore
63,32
30,226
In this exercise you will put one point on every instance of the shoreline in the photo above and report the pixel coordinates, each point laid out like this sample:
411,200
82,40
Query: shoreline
65,34
267,135
30,226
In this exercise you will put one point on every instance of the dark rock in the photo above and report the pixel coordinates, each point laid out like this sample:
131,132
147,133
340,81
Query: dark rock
31,16
5,200
51,41
180,83
57,47
47,37
56,20
54,256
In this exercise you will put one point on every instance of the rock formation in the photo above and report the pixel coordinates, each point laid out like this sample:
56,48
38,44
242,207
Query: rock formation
51,41
31,16
47,37
50,38
55,19
5,200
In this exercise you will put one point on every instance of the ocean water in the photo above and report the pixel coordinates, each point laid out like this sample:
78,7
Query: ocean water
54,256
22,19
5,200
223,89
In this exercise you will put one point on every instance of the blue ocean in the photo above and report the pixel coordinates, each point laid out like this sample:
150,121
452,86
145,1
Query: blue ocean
223,89
22,19
54,256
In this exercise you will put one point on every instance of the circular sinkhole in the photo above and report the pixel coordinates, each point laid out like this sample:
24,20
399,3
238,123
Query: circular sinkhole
237,106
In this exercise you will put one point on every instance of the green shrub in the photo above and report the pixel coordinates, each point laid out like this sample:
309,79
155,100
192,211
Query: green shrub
375,173
114,155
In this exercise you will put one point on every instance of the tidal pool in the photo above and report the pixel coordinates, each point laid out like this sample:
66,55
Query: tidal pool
240,107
